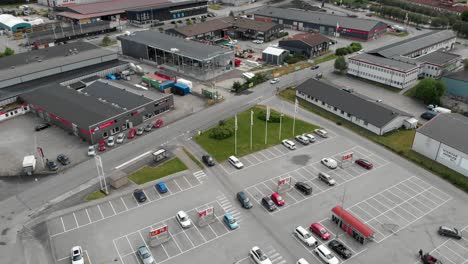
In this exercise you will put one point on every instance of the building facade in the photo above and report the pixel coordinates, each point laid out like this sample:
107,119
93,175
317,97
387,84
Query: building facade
309,45
59,3
274,55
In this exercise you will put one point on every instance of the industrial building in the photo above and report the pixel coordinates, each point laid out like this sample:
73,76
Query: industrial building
400,64
95,112
457,84
36,64
13,23
443,139
274,55
232,27
64,3
358,109
327,24
306,44
186,57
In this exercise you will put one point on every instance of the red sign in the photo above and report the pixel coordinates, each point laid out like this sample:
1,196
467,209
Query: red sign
347,156
157,232
284,181
207,211
106,124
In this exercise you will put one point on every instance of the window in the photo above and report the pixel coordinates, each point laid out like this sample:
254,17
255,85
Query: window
6,115
323,103
16,111
349,115
334,108
105,135
365,123
342,112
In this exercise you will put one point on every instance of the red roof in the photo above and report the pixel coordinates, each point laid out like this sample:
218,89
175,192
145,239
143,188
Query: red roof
353,221
114,6
447,5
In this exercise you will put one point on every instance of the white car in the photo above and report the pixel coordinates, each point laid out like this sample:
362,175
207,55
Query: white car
77,255
302,139
329,163
303,235
289,144
302,261
321,132
91,151
324,253
110,141
257,41
274,80
310,137
259,256
183,219
235,162
120,138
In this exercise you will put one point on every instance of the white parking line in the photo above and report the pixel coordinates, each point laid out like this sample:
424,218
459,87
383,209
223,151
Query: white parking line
100,211
132,160
178,185
63,224
118,253
112,207
89,218
187,180
76,221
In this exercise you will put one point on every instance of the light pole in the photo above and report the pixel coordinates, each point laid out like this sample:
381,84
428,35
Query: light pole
101,175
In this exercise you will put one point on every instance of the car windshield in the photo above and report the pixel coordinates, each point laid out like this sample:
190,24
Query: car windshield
183,218
279,198
76,256
232,221
261,256
307,235
270,202
323,231
145,254
246,200
329,256
65,158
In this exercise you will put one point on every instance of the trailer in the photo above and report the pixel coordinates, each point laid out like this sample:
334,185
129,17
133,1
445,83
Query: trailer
29,165
181,89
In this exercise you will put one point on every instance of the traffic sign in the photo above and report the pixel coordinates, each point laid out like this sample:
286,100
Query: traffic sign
286,180
347,156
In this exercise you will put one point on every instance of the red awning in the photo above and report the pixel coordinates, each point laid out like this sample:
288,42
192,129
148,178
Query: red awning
353,221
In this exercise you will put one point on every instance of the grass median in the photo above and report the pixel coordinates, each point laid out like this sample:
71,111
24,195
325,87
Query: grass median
95,195
222,149
399,141
147,173
192,157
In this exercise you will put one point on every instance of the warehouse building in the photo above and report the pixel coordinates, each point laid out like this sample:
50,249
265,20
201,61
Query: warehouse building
36,64
443,139
64,3
274,55
95,112
12,23
400,64
457,84
232,27
327,24
307,44
186,57
360,110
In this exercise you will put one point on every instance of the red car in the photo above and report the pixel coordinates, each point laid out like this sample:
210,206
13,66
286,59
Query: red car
102,145
320,231
277,199
364,163
131,133
159,123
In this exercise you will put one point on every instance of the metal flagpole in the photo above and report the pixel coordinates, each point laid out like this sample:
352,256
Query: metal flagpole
266,123
295,111
251,127
235,134
281,120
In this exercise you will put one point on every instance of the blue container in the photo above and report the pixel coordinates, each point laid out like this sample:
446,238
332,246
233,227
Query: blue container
111,76
165,85
181,89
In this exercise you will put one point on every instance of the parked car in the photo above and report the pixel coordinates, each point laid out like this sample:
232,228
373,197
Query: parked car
324,253
77,255
310,137
140,131
51,165
41,126
257,41
268,203
340,249
131,133
244,200
315,67
102,145
235,162
259,256
289,144
91,151
274,80
120,138
418,28
139,195
449,232
208,160
429,259
183,219
302,139
161,187
145,255
364,163
277,199
303,188
326,178
230,221
148,127
321,132
329,163
428,115
303,235
110,141
320,231
63,159
302,261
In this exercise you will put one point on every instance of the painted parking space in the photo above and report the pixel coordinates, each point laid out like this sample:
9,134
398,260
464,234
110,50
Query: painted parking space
67,259
309,175
181,240
269,250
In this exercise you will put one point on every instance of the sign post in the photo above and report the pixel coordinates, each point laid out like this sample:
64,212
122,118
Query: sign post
251,127
159,235
284,184
206,216
346,159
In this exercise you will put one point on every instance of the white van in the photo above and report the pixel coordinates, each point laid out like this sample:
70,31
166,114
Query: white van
324,253
289,144
442,110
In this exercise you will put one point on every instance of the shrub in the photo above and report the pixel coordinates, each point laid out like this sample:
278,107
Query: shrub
350,49
339,123
222,132
341,51
356,46
274,116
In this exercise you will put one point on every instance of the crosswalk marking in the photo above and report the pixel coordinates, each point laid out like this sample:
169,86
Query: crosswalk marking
199,175
227,206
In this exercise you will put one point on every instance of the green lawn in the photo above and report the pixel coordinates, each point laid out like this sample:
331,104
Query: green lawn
147,173
222,149
215,7
399,142
325,59
95,195
199,164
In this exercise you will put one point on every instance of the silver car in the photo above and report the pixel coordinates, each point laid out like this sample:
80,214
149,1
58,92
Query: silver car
145,255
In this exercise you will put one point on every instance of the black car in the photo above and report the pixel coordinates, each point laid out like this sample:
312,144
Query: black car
449,232
418,28
139,195
244,200
315,67
340,249
303,188
51,165
428,115
268,203
41,126
208,160
63,159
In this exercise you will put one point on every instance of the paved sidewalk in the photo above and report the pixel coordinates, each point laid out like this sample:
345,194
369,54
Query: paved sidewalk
192,166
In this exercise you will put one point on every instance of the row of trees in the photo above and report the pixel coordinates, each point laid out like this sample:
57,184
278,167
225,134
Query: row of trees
353,47
238,87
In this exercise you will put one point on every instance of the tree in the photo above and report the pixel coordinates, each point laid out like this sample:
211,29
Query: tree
231,14
236,86
8,52
340,64
429,90
106,41
464,15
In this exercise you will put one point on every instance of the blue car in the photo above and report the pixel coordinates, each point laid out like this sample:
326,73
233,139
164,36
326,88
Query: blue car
161,187
230,221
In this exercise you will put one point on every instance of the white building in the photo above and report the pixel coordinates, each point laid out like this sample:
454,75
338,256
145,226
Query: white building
400,64
444,139
363,111
54,3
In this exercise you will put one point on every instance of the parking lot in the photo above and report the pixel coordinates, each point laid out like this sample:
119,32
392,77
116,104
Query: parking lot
452,251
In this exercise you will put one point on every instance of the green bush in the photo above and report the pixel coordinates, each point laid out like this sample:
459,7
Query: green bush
341,51
274,116
222,132
350,49
356,46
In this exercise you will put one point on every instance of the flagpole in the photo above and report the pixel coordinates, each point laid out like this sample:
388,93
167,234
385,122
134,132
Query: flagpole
251,127
294,120
235,134
267,117
281,119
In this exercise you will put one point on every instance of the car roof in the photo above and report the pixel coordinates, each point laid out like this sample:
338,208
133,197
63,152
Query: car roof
161,184
228,215
181,213
324,249
242,194
318,225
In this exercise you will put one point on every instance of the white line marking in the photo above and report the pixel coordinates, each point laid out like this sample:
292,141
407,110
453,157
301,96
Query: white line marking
100,211
89,218
112,207
178,185
63,224
118,253
187,181
124,203
132,160
76,221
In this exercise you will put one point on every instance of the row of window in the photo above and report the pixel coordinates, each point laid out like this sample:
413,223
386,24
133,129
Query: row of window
383,79
377,68
15,112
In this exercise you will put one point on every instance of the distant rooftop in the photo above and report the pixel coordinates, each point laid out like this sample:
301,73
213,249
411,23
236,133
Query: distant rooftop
311,39
438,57
400,65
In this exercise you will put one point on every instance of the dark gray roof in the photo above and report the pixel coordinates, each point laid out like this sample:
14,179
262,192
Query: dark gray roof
187,48
460,75
438,57
319,18
450,129
400,65
362,107
410,45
